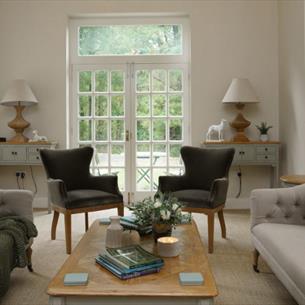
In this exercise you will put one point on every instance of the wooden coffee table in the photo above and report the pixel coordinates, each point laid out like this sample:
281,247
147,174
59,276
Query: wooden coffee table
159,288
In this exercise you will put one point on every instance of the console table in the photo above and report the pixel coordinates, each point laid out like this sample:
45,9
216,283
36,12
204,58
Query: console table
253,153
24,154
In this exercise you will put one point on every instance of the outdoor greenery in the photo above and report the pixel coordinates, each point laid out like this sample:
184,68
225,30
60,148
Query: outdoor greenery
130,40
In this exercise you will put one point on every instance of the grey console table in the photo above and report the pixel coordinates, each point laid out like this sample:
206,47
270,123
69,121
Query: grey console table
253,153
24,154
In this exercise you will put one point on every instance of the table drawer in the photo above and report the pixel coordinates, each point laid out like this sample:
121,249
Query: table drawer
265,149
265,158
14,154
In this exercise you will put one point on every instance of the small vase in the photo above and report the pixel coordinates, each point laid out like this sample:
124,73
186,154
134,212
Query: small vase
161,230
264,137
114,233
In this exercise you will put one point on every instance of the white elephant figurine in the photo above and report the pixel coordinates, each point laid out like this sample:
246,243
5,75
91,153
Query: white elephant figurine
37,137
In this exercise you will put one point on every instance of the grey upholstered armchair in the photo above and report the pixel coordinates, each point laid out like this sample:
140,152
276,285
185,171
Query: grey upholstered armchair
203,187
72,189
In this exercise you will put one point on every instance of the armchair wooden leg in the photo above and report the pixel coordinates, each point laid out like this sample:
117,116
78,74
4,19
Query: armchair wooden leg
121,210
86,221
29,258
255,260
54,225
222,224
211,232
68,231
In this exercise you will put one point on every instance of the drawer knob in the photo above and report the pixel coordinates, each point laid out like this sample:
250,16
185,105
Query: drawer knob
266,157
37,158
266,149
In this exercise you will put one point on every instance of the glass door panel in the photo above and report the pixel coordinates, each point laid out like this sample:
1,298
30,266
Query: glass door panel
160,94
101,118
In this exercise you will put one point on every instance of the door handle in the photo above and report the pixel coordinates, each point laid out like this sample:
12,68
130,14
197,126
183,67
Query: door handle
127,136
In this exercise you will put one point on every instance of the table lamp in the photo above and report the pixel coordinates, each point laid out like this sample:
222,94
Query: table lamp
240,92
19,95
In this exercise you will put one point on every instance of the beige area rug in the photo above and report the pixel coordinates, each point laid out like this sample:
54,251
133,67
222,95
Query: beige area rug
231,262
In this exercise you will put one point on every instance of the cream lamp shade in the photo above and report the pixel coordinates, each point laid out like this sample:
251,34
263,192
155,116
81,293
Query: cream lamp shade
240,92
19,93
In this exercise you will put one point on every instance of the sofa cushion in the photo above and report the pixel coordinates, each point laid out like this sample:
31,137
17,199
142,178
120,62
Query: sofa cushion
87,198
286,244
193,198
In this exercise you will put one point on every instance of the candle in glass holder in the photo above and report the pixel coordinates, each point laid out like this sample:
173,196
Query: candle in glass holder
168,246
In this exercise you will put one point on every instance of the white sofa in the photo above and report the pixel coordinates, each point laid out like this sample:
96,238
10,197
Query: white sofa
278,235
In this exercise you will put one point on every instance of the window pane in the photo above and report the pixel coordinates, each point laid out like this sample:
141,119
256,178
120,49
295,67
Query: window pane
159,130
85,105
101,155
146,39
117,155
159,155
101,130
143,154
100,171
85,132
117,81
175,129
159,105
143,130
175,80
84,81
157,172
143,107
175,105
101,105
174,155
143,81
101,81
143,179
158,80
117,105
117,130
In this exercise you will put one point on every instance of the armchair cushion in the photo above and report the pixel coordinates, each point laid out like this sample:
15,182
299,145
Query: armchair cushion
193,198
87,198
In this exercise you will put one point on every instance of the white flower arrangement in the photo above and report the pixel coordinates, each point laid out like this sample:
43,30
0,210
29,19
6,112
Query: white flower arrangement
164,209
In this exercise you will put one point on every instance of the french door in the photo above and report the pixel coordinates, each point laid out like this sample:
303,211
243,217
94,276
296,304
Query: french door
135,116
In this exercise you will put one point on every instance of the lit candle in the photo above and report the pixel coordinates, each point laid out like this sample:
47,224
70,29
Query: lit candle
168,246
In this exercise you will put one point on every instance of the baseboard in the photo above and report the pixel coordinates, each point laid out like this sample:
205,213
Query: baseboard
237,203
40,202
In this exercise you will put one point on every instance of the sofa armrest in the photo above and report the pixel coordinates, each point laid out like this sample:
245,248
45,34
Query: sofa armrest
16,202
106,183
57,192
218,192
283,205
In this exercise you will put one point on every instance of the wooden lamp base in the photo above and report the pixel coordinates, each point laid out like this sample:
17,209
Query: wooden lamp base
240,124
19,124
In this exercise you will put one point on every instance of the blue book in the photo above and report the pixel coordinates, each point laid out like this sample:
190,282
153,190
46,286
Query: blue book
76,279
191,278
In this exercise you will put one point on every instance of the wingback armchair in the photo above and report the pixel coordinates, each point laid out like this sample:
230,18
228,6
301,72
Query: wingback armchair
72,189
203,187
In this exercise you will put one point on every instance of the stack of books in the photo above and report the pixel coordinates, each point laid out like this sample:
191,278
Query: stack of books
129,262
128,222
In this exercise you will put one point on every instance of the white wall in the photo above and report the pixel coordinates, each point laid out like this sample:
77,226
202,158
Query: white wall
292,85
229,39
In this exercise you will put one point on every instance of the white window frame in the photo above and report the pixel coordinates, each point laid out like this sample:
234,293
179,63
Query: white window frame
77,59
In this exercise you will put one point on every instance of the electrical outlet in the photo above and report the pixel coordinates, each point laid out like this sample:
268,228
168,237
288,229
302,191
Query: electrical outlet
20,174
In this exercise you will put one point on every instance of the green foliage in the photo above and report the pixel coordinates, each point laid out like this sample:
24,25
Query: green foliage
164,209
263,127
130,40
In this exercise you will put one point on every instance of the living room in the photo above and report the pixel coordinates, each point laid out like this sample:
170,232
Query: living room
217,42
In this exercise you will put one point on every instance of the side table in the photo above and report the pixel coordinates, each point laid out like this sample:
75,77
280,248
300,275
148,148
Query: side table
292,180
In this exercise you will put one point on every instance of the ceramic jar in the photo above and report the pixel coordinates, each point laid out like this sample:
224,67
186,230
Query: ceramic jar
264,137
114,233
